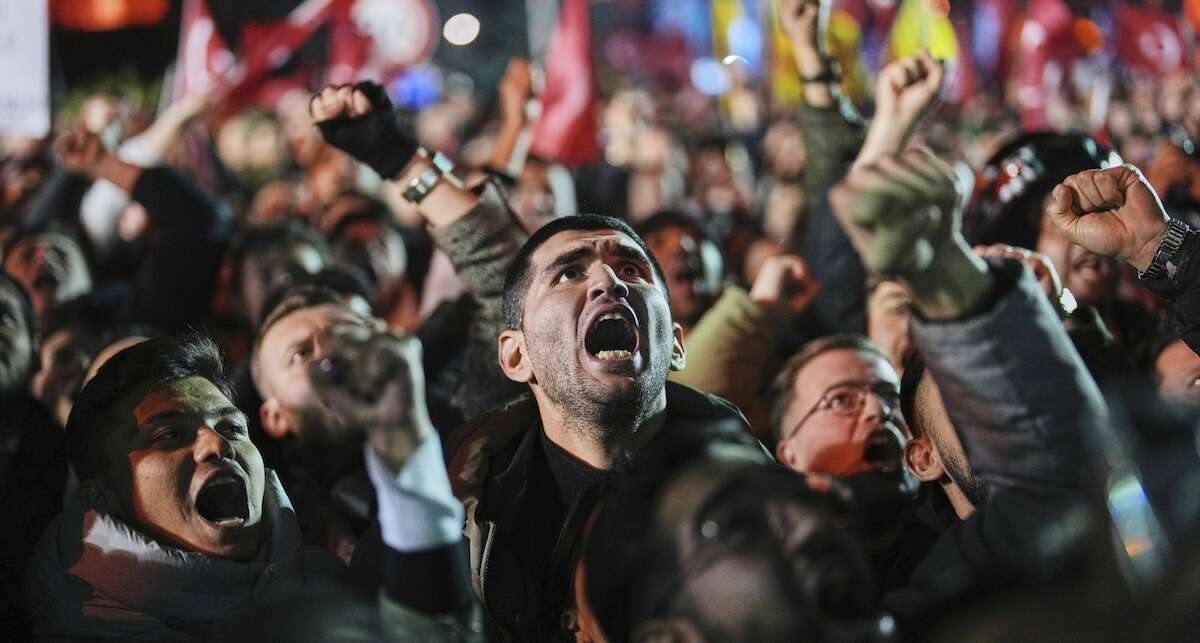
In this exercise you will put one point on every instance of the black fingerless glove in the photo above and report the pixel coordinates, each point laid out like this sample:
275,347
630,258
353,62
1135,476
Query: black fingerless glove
382,139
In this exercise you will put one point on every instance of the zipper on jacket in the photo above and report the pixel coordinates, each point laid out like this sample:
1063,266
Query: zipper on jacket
483,564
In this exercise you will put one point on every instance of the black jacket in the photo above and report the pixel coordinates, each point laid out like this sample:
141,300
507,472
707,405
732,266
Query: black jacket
498,469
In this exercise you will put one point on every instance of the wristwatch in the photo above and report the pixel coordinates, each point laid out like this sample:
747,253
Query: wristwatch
1172,239
423,184
831,72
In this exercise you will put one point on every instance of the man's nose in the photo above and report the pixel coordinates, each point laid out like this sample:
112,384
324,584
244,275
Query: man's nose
211,445
875,412
606,282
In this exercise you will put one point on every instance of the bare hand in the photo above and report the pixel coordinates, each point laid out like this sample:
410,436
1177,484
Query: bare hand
1041,266
80,151
1111,212
515,89
374,382
784,283
804,21
906,91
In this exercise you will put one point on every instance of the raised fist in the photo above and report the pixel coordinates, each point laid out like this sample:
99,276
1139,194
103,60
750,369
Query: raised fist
804,22
908,88
900,211
80,151
905,92
374,381
1112,212
360,120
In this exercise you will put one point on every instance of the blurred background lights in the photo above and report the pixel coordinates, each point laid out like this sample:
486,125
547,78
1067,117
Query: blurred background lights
733,58
709,76
461,29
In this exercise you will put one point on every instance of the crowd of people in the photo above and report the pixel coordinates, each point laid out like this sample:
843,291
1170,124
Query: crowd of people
332,373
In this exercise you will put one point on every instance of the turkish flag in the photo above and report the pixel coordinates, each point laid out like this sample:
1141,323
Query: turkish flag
1044,49
204,56
1149,40
566,132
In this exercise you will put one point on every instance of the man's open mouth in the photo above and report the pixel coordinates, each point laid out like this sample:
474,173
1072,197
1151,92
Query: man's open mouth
611,337
45,280
882,448
223,501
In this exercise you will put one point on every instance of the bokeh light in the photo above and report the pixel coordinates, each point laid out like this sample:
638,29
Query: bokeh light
461,29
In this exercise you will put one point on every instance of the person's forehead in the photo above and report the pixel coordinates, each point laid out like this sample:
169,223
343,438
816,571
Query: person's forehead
842,365
304,321
569,240
188,395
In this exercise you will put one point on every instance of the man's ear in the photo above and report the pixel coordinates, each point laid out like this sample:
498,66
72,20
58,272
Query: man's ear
666,630
922,459
678,352
513,359
273,420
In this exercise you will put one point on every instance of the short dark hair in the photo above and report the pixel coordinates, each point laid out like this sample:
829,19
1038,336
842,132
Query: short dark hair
143,367
255,238
518,277
781,389
675,219
910,382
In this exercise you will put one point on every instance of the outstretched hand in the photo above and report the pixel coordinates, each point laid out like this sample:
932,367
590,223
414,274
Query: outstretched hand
1112,212
373,381
360,120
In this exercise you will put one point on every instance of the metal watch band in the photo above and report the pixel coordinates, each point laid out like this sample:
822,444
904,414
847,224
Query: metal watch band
1172,239
420,187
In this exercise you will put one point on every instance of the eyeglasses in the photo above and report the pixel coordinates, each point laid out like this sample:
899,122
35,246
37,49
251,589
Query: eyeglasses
847,401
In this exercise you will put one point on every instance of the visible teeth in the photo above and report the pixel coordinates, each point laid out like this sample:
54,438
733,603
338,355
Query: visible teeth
613,315
229,522
614,354
222,480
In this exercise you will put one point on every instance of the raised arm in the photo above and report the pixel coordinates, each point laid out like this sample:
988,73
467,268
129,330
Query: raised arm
1115,212
1014,387
173,287
373,381
474,227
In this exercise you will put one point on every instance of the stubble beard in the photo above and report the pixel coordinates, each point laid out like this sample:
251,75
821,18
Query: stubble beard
596,413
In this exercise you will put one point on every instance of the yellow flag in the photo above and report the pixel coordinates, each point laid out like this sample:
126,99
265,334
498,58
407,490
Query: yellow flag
924,25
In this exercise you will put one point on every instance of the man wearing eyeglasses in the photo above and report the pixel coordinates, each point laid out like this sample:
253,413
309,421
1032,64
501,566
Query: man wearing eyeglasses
836,408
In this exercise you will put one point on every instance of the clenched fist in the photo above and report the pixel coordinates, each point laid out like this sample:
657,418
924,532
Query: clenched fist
903,215
1112,212
80,151
374,381
905,92
360,120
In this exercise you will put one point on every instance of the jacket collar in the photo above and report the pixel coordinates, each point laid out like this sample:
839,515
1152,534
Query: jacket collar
94,573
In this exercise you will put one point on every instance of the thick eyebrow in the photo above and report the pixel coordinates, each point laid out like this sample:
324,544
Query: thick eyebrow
631,253
184,414
567,259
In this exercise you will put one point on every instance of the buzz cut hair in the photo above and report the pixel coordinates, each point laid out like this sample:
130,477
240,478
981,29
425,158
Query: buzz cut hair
520,272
